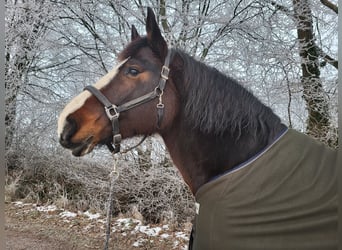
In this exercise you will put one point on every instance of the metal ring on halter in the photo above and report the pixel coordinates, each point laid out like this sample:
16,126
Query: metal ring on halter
160,105
158,91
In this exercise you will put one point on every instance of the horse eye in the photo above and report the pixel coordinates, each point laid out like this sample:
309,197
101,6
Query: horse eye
133,71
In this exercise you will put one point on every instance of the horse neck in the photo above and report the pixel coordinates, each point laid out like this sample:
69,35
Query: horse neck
202,155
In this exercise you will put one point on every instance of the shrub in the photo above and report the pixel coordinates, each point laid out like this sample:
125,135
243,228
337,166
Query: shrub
54,176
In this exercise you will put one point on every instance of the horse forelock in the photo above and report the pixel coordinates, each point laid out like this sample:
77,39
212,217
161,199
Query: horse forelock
77,102
133,47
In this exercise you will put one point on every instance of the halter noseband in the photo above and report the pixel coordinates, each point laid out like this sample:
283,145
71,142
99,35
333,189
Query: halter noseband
113,111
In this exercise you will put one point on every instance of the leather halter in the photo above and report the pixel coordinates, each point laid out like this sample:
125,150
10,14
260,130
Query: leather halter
113,111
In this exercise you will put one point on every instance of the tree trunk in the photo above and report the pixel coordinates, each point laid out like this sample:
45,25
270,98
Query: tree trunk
15,70
25,25
313,93
11,92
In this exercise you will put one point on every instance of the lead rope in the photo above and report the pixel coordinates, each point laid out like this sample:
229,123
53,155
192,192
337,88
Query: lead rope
114,175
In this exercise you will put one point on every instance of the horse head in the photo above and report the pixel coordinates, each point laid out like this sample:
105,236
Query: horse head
84,122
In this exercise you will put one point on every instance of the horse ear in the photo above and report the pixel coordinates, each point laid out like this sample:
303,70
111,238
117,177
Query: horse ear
154,37
134,33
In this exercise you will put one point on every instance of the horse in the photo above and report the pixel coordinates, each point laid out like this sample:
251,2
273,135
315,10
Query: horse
258,184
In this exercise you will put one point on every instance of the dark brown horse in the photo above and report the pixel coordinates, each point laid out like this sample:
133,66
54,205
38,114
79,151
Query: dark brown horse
214,130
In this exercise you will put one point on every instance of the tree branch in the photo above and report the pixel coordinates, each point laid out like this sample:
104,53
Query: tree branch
282,8
330,5
327,58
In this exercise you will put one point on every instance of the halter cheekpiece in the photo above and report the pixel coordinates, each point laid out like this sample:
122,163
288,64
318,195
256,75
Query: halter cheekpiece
113,111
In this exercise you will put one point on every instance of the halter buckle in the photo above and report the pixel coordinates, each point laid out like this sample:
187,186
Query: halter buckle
112,112
165,72
117,139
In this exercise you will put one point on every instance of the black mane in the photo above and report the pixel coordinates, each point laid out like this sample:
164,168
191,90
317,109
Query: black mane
216,104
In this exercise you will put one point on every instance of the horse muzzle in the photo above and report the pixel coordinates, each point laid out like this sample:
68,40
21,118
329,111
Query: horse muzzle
79,148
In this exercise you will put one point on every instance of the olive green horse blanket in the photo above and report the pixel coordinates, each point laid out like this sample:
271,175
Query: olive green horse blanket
285,198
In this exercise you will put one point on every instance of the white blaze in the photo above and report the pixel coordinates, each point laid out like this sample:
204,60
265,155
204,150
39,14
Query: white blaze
79,100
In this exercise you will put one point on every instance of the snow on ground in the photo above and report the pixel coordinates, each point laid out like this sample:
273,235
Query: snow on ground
67,214
124,225
92,216
48,208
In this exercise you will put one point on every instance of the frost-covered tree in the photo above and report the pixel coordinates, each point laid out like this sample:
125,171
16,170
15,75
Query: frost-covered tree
56,47
25,27
312,58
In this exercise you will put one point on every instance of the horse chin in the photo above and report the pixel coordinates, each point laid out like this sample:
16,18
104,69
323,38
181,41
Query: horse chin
84,148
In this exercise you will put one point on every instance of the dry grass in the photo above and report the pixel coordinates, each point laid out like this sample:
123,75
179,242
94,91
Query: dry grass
28,228
155,192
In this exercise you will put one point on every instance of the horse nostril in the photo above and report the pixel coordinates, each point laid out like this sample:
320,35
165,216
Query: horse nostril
70,127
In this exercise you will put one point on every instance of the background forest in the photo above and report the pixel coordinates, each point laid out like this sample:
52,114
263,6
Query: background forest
284,51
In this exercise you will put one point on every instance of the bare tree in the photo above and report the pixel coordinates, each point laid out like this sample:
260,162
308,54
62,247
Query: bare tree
25,28
75,42
316,100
